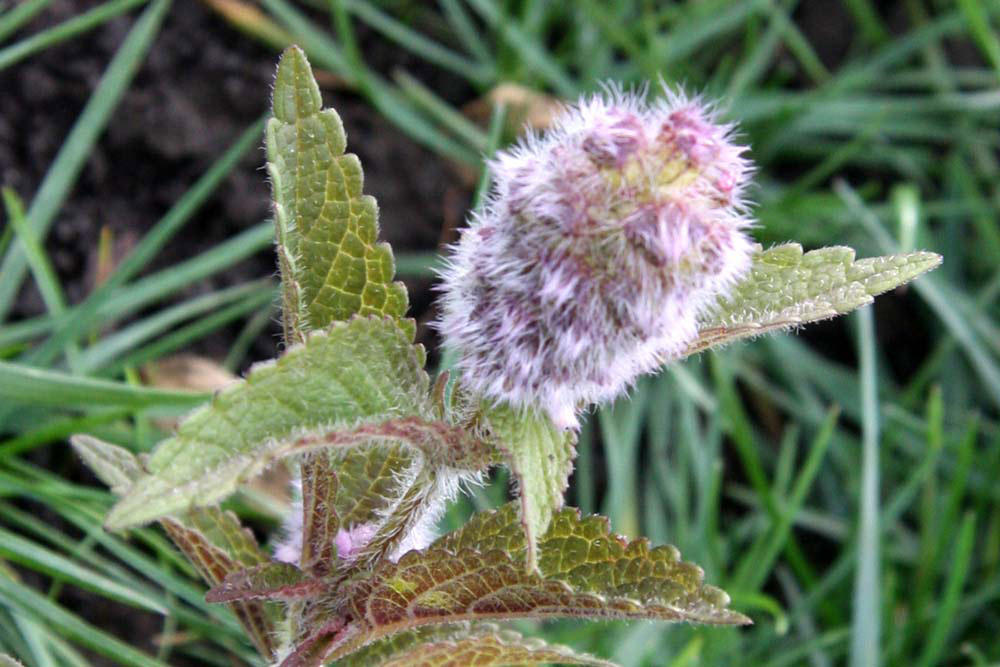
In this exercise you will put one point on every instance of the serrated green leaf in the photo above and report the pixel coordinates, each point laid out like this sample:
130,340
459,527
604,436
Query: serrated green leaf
483,645
478,573
786,288
581,551
357,373
540,457
332,266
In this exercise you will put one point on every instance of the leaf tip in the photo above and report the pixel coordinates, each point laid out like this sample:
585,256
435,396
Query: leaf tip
931,260
296,93
116,466
897,270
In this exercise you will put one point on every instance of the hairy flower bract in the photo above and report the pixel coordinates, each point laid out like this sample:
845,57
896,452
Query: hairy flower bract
600,245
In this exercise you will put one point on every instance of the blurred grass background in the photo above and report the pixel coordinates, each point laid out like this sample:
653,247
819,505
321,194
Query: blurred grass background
842,484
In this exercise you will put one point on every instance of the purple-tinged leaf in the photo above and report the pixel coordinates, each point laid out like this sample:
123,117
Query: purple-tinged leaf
270,581
441,443
313,651
463,644
320,519
491,650
214,565
224,530
478,573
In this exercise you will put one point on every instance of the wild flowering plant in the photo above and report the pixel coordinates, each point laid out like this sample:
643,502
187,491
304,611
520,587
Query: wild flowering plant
613,244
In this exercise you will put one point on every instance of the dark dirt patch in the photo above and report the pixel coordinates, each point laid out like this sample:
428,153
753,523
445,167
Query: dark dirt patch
200,87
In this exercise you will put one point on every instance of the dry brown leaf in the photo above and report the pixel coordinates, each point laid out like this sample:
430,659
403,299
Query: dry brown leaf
525,107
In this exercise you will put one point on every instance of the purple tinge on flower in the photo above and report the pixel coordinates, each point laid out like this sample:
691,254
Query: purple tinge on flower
600,245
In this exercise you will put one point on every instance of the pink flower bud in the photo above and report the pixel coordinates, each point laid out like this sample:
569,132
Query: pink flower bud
601,244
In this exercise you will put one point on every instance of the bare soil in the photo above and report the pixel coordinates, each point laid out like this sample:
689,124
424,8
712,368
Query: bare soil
202,84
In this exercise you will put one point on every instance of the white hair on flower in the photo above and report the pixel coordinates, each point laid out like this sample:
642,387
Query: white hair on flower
600,245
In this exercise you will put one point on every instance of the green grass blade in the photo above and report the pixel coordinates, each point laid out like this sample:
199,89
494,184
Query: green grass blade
198,329
418,44
983,364
867,70
37,640
252,330
534,55
758,562
494,135
27,385
159,285
77,147
453,120
60,568
147,552
181,212
22,599
324,52
140,294
19,14
64,31
699,31
957,574
38,261
621,432
466,32
113,345
755,63
984,34
59,429
419,264
12,335
867,612
40,266
866,17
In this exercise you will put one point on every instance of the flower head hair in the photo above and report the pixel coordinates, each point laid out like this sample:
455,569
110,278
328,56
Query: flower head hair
601,244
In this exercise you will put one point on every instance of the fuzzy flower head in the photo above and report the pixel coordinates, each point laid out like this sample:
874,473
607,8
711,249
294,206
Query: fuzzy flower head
601,245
